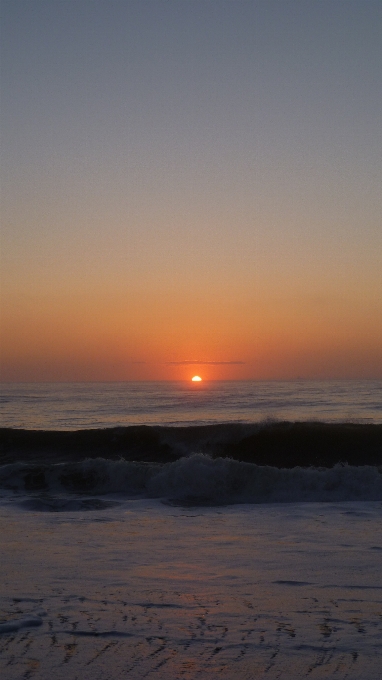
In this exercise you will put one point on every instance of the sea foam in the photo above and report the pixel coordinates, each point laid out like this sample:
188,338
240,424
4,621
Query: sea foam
197,479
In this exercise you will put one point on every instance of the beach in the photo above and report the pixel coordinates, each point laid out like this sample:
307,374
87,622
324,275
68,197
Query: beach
238,550
144,589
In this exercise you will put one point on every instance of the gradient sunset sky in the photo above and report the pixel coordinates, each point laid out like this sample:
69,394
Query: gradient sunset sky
191,186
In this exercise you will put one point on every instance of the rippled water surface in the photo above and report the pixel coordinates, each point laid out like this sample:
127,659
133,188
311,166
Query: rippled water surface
92,405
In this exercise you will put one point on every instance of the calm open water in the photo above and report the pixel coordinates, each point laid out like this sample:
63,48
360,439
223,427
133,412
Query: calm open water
66,406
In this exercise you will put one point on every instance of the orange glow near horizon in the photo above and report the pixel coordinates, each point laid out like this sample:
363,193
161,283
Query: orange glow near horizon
50,336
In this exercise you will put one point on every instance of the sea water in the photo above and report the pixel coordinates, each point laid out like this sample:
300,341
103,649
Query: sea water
68,406
146,590
198,567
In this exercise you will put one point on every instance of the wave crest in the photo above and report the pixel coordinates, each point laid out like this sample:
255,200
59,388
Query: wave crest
198,478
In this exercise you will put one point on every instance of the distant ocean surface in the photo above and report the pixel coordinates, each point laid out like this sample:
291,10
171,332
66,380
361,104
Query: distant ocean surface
69,406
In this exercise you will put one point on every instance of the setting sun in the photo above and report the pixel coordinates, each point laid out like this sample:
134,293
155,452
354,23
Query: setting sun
196,378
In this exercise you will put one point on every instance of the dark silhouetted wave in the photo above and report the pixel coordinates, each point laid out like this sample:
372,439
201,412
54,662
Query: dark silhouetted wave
278,444
197,465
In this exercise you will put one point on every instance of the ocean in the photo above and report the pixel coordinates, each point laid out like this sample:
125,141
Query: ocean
69,406
172,530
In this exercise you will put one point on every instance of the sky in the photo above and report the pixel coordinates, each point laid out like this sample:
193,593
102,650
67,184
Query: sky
191,186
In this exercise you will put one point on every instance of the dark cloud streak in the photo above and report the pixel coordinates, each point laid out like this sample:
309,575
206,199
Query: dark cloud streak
205,363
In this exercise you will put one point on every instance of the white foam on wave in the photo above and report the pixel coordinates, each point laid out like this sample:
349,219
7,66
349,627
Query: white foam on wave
220,480
229,481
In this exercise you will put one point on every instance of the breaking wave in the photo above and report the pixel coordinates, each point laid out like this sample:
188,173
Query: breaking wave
196,479
279,444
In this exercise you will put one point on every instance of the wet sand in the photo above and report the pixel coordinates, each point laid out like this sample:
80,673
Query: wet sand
148,590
